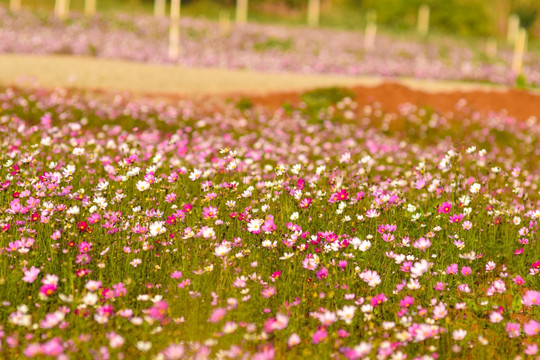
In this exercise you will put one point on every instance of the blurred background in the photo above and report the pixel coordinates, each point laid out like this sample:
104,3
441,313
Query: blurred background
478,18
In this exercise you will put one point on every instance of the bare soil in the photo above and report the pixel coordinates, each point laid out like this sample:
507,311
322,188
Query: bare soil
209,86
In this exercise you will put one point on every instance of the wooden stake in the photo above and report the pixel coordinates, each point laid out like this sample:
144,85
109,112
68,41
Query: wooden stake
61,8
160,8
314,9
519,50
174,31
224,22
15,5
423,20
241,11
491,48
371,15
175,10
512,29
369,36
89,7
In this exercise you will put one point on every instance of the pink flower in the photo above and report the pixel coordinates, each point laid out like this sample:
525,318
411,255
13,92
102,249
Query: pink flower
52,347
174,352
210,212
319,335
422,244
531,349
519,280
217,315
513,330
32,350
456,218
452,269
465,270
84,247
531,298
268,292
293,340
176,275
531,328
31,275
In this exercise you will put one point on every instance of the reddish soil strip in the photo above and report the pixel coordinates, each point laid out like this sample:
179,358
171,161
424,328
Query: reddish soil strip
517,103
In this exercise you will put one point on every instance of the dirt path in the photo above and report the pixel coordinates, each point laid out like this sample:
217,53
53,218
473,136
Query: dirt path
265,88
102,74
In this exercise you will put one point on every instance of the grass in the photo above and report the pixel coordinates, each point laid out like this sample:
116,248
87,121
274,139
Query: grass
233,232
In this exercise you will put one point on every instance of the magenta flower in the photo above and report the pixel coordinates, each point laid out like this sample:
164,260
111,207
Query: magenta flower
159,310
378,299
445,208
322,273
406,301
319,335
47,289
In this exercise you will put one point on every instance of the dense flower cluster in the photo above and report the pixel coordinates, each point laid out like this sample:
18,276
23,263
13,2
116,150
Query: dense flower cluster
166,231
259,47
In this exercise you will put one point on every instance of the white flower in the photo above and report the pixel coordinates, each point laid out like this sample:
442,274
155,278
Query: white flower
459,334
78,151
90,299
294,216
195,174
74,210
144,345
254,225
321,169
345,158
157,228
142,185
365,245
347,313
69,170
135,262
475,188
222,250
296,169
419,268
411,208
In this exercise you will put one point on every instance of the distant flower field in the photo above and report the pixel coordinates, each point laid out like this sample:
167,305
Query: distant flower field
144,229
260,47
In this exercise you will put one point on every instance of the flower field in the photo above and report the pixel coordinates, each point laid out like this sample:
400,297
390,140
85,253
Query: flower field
328,230
259,47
